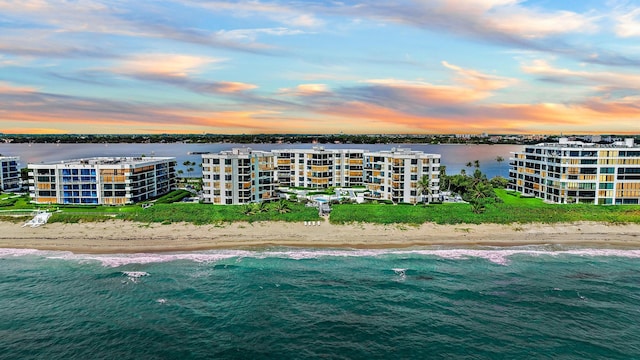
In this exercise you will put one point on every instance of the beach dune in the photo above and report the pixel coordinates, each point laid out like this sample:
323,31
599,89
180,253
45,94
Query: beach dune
118,236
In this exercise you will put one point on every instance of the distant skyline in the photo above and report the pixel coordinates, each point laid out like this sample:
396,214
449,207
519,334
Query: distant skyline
369,66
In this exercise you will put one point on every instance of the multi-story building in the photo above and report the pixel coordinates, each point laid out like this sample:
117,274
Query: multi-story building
577,172
394,175
9,173
101,180
239,176
242,176
319,167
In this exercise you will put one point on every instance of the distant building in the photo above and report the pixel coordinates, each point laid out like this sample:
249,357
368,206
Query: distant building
394,175
101,180
577,172
239,176
9,173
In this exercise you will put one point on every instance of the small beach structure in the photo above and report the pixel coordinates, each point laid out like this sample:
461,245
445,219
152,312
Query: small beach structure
40,218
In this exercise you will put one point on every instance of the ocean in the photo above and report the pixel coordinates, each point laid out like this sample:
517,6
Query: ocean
543,302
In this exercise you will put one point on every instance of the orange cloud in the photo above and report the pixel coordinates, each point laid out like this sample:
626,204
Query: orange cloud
479,81
8,88
174,65
601,80
306,90
33,130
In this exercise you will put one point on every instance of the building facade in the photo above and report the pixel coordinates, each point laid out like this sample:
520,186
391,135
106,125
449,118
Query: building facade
10,173
104,181
239,176
394,175
577,172
319,167
242,176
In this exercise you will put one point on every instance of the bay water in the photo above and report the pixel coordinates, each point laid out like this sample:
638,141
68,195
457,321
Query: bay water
454,157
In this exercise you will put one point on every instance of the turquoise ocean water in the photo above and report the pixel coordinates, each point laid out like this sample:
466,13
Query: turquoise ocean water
283,303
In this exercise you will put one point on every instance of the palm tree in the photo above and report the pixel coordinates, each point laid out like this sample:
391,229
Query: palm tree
424,188
282,206
180,173
247,209
499,159
480,196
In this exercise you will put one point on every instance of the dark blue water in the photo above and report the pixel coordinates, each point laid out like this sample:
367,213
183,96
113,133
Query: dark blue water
517,303
455,157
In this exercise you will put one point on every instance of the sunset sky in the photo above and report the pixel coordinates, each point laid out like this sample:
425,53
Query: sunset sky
366,66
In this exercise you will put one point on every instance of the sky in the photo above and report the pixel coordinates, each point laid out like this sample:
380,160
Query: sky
320,67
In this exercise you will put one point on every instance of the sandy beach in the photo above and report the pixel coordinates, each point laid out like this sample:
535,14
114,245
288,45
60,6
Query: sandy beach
131,237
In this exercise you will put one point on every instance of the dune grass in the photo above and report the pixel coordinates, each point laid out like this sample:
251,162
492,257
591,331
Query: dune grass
200,214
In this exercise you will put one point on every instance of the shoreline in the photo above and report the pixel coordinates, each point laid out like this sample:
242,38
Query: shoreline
117,236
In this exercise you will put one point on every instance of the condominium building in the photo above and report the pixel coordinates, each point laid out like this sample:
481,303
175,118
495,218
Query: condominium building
319,167
101,180
394,175
9,173
242,176
239,176
577,172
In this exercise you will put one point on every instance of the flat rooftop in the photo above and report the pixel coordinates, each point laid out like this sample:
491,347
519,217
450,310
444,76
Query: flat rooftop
564,143
117,160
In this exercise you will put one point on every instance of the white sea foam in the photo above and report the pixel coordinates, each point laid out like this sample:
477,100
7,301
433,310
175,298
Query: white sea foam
495,255
135,274
144,258
402,273
9,252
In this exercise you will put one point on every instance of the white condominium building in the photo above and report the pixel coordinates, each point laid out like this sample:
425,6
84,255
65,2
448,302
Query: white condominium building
394,175
319,167
239,176
242,176
577,172
9,173
101,180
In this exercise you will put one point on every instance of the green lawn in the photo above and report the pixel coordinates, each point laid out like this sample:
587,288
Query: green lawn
14,202
513,209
